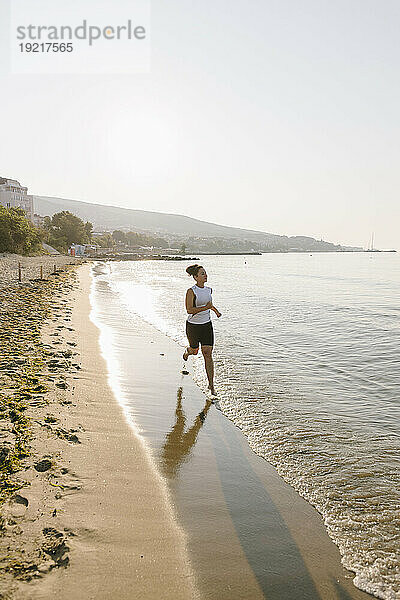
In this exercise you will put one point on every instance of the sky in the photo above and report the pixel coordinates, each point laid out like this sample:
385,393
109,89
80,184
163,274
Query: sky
280,116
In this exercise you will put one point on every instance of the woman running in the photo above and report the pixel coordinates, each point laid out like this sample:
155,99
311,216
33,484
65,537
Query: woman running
199,329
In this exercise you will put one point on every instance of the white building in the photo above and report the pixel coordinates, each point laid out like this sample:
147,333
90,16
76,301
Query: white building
38,220
12,194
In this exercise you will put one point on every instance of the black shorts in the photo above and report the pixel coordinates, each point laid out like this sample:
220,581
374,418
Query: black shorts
202,333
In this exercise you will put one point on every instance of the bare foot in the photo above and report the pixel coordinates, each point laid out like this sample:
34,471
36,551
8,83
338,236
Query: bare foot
185,355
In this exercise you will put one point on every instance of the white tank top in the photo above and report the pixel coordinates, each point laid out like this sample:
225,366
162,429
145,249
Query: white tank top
201,297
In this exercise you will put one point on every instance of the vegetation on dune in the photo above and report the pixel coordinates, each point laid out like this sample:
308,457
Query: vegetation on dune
65,228
17,234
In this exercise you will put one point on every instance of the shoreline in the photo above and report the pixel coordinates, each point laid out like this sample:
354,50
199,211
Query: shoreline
114,519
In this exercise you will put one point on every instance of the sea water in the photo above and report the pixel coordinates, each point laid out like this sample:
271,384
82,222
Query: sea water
308,366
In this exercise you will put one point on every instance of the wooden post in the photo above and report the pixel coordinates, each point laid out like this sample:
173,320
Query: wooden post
55,269
41,271
19,272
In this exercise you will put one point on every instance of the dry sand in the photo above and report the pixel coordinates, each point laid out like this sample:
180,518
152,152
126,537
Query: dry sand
33,387
30,266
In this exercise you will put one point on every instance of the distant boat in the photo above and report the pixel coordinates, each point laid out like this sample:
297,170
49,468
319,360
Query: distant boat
371,246
372,249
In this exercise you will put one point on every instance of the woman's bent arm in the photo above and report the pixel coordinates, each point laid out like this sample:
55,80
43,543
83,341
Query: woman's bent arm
216,311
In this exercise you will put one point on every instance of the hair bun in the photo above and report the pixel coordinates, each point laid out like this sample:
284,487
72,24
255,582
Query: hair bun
193,270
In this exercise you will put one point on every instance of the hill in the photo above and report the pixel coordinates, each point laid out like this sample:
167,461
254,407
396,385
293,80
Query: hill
167,225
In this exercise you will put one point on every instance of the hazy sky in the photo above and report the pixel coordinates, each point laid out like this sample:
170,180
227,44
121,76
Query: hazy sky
281,116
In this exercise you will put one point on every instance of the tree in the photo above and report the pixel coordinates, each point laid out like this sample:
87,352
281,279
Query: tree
17,233
183,248
140,239
119,236
105,241
65,228
88,230
132,238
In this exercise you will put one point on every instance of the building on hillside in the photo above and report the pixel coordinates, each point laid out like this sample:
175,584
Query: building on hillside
13,194
38,220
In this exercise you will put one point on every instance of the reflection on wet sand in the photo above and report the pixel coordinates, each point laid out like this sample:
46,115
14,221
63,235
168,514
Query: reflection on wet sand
178,443
266,542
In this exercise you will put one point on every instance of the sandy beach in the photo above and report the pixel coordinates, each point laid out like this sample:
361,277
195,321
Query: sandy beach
106,503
